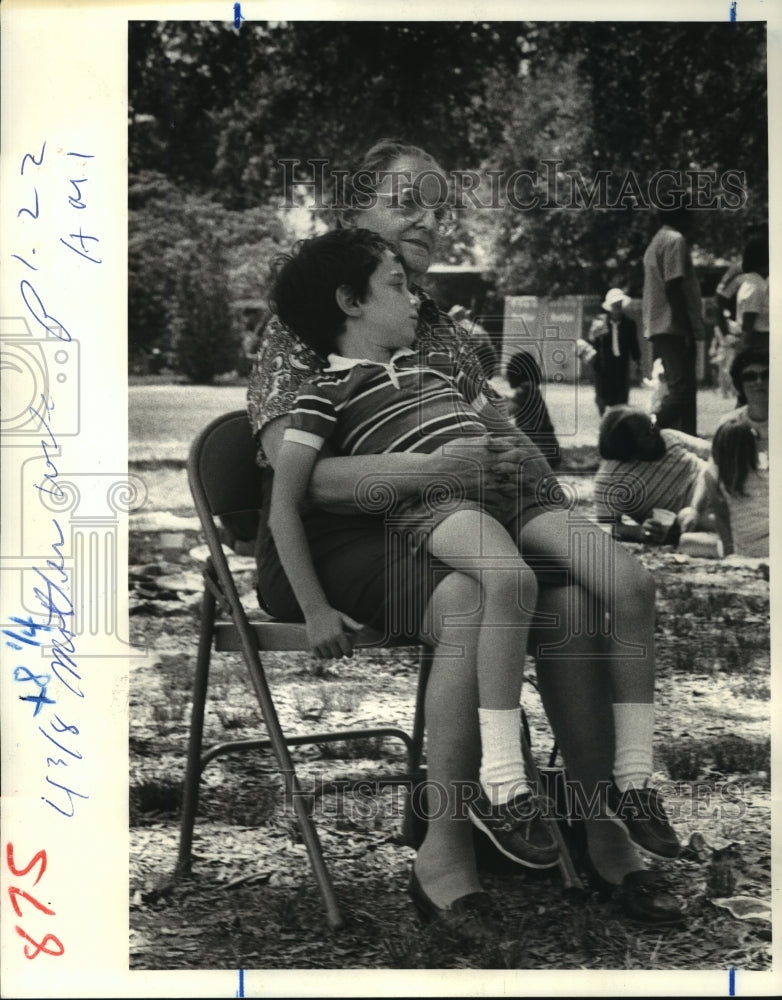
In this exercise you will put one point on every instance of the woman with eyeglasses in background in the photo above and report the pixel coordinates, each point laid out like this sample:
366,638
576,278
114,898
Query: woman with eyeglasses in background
735,484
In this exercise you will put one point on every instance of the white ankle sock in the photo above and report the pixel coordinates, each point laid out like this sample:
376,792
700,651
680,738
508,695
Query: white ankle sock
633,729
502,765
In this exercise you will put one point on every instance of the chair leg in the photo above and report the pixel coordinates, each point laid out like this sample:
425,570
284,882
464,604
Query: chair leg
309,833
426,658
413,827
565,864
285,763
193,766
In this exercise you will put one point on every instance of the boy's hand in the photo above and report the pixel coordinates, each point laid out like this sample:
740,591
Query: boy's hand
331,634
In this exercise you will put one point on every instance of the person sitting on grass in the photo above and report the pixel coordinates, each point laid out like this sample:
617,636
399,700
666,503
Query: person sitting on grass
345,294
735,487
528,407
749,374
643,468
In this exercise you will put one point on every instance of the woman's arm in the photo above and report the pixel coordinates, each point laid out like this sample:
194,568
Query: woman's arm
715,501
698,446
325,625
477,463
708,498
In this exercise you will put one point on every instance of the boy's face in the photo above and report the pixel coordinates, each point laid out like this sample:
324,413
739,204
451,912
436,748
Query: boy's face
389,316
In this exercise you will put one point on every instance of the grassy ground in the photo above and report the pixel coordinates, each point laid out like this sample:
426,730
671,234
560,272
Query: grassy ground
164,418
251,901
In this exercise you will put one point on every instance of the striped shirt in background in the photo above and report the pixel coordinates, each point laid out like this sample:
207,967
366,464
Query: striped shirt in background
635,488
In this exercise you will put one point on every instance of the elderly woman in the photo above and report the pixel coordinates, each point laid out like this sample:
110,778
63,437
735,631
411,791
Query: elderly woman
371,584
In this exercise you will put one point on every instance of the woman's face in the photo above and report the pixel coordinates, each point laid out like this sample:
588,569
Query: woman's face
754,382
401,213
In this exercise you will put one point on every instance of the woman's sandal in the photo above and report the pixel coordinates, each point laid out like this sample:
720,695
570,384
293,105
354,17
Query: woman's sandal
469,916
641,894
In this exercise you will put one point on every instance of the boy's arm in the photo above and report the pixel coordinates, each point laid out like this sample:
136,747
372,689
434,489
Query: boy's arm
479,464
325,626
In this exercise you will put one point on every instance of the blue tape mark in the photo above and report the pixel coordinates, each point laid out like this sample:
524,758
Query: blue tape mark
733,6
239,17
732,983
240,991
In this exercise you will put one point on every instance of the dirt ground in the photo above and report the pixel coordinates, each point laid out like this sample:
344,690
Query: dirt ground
251,901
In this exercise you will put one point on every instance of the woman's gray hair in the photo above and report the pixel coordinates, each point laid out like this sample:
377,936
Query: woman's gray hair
364,175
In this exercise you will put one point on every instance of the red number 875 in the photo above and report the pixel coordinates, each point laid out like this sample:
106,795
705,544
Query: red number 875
56,947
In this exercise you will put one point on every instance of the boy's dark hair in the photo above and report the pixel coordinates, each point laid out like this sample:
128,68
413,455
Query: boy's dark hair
735,451
618,439
523,368
304,293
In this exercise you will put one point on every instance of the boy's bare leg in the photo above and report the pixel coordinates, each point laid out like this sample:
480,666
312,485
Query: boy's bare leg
476,544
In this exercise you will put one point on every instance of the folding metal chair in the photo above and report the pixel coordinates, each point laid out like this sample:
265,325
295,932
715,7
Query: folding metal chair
226,480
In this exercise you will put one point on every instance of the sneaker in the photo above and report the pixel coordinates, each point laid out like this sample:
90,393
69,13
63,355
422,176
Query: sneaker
641,812
518,828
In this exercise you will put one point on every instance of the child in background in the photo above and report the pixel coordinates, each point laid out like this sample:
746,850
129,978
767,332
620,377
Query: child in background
346,296
614,336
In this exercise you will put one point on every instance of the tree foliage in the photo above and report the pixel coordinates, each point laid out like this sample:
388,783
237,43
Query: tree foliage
213,110
634,99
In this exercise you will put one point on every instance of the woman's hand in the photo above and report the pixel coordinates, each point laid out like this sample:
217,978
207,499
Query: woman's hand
654,533
689,519
488,463
331,634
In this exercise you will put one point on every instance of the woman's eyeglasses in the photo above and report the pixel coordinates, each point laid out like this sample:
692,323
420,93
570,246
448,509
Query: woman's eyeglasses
408,202
748,377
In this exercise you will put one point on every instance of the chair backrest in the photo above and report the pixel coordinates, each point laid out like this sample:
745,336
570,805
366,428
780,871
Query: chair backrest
222,470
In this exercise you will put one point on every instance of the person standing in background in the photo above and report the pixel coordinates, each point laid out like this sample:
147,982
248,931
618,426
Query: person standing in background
673,316
614,337
752,306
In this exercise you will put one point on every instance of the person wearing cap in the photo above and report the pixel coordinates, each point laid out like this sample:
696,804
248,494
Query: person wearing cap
614,337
